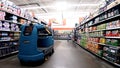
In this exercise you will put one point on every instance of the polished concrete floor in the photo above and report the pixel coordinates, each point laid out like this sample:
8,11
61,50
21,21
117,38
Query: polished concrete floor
67,55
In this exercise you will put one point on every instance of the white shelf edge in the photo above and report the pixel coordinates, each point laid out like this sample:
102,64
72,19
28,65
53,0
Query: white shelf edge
9,31
112,37
113,28
8,40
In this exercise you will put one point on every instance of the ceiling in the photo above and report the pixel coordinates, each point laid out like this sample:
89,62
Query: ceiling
49,6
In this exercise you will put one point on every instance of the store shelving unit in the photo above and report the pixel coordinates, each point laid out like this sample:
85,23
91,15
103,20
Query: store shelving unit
106,20
100,35
10,22
117,65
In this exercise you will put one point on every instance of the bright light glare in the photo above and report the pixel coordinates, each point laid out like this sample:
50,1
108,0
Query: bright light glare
61,5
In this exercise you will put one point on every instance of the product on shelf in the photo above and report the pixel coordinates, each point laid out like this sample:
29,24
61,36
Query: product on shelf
90,23
113,33
110,13
96,20
107,26
0,25
113,24
11,34
83,40
16,35
105,51
17,28
100,53
10,7
117,23
101,27
13,27
15,43
3,5
13,18
94,28
116,12
102,40
5,38
94,47
96,34
93,39
103,17
2,15
112,54
6,26
108,33
108,41
4,34
86,29
90,29
97,39
113,42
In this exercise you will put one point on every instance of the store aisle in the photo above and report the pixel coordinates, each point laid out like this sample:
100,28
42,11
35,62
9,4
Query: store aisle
66,55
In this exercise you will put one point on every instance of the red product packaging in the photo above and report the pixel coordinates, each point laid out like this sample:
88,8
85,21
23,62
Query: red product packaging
108,33
115,33
97,40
